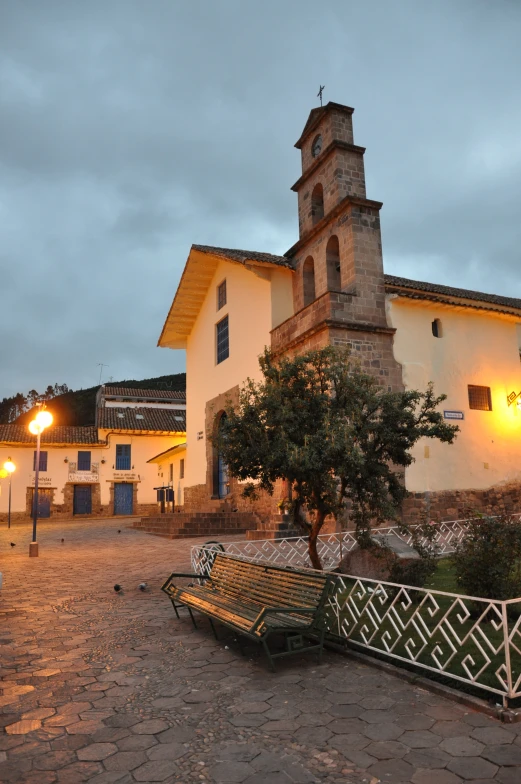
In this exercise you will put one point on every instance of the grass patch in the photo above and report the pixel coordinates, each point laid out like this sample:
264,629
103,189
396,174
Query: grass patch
444,578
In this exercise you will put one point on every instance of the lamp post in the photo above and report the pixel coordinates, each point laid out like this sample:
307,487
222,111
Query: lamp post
42,420
9,466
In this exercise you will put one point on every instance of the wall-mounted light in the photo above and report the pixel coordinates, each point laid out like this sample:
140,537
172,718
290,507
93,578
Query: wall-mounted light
65,459
103,461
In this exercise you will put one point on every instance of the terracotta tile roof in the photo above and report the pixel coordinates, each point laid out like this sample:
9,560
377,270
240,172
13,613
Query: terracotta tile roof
245,255
159,394
158,419
19,434
409,286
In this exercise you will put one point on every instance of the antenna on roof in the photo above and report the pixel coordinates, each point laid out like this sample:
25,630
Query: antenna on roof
101,365
165,385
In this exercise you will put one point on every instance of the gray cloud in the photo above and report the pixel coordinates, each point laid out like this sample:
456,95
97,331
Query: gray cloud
130,130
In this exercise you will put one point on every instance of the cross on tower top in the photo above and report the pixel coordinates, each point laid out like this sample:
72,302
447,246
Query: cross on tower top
319,94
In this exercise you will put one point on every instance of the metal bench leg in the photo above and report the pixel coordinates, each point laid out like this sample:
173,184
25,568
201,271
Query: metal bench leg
192,616
321,649
175,608
268,654
213,628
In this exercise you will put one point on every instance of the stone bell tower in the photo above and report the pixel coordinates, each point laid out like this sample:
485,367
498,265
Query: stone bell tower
338,288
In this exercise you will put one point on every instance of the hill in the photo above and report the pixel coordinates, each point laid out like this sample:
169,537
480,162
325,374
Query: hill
79,407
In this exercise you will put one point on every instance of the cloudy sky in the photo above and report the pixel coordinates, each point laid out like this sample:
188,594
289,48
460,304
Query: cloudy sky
130,129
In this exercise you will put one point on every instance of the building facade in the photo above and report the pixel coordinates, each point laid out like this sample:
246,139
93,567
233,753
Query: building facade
330,288
102,470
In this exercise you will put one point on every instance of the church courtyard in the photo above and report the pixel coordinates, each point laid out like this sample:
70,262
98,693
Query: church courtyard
99,686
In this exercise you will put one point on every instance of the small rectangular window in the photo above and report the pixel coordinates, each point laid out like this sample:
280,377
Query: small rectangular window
480,398
43,461
182,469
171,472
221,295
83,461
223,343
122,457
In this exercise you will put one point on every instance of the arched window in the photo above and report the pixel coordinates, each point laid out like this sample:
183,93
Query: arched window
221,485
333,264
308,280
437,330
317,203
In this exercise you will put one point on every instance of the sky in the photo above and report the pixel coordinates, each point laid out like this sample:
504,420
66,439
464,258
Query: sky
130,130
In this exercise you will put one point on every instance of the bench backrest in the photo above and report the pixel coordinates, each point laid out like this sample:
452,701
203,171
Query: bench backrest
268,586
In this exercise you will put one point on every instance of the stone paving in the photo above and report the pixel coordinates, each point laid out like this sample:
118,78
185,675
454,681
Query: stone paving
104,687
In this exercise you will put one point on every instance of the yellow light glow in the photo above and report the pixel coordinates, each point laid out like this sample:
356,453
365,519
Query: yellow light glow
35,428
3,473
44,418
9,466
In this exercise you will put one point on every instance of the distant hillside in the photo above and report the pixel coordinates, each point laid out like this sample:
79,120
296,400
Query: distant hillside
79,407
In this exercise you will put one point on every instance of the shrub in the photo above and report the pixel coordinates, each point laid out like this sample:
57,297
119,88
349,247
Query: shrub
416,573
488,561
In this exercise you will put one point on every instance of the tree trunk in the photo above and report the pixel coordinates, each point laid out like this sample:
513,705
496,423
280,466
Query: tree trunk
314,557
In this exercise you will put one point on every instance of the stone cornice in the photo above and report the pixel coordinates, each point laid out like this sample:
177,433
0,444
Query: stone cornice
336,144
334,213
352,326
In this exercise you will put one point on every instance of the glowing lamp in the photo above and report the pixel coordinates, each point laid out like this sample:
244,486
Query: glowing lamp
35,428
44,419
9,466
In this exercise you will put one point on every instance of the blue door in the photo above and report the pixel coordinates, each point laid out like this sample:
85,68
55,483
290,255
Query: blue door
123,498
44,503
82,500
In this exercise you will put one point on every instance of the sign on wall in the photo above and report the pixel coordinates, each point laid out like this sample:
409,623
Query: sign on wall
453,415
127,476
79,477
43,481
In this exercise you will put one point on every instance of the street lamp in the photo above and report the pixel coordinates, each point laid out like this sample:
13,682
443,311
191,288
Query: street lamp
42,420
9,466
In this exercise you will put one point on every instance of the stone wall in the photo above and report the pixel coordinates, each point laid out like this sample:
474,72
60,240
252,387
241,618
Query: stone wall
461,504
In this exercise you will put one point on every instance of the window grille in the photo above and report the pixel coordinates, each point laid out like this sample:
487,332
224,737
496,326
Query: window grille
223,343
480,398
221,295
83,461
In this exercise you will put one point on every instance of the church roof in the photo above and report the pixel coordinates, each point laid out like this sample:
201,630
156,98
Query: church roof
197,276
436,291
244,255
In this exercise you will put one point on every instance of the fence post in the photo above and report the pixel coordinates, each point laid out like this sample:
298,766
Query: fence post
506,638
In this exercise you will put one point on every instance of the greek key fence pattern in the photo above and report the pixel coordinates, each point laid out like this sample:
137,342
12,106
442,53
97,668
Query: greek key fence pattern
471,640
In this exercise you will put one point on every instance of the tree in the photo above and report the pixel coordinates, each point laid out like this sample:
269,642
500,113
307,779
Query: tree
319,422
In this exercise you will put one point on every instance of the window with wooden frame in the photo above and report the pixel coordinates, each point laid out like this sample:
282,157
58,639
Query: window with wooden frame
480,398
182,468
221,295
222,340
43,461
83,461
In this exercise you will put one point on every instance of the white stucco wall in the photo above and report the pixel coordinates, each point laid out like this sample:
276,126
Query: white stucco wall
249,307
476,348
57,475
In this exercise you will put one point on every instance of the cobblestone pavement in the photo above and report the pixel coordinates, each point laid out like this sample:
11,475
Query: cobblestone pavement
104,687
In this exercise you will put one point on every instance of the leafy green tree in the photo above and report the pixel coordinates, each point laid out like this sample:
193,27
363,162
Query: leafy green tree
338,438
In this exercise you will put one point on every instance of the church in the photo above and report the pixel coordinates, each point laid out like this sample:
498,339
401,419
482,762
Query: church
330,288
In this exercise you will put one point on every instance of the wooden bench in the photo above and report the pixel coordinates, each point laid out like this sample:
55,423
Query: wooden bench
258,600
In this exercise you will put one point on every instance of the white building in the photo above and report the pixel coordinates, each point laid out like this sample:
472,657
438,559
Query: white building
102,470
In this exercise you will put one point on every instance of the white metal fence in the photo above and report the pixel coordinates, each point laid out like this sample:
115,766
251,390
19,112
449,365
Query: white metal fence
471,640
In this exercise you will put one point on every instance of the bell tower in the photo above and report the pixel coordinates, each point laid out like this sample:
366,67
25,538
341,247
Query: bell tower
338,286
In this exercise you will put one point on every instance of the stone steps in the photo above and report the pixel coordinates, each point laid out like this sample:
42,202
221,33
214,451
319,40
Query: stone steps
184,525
